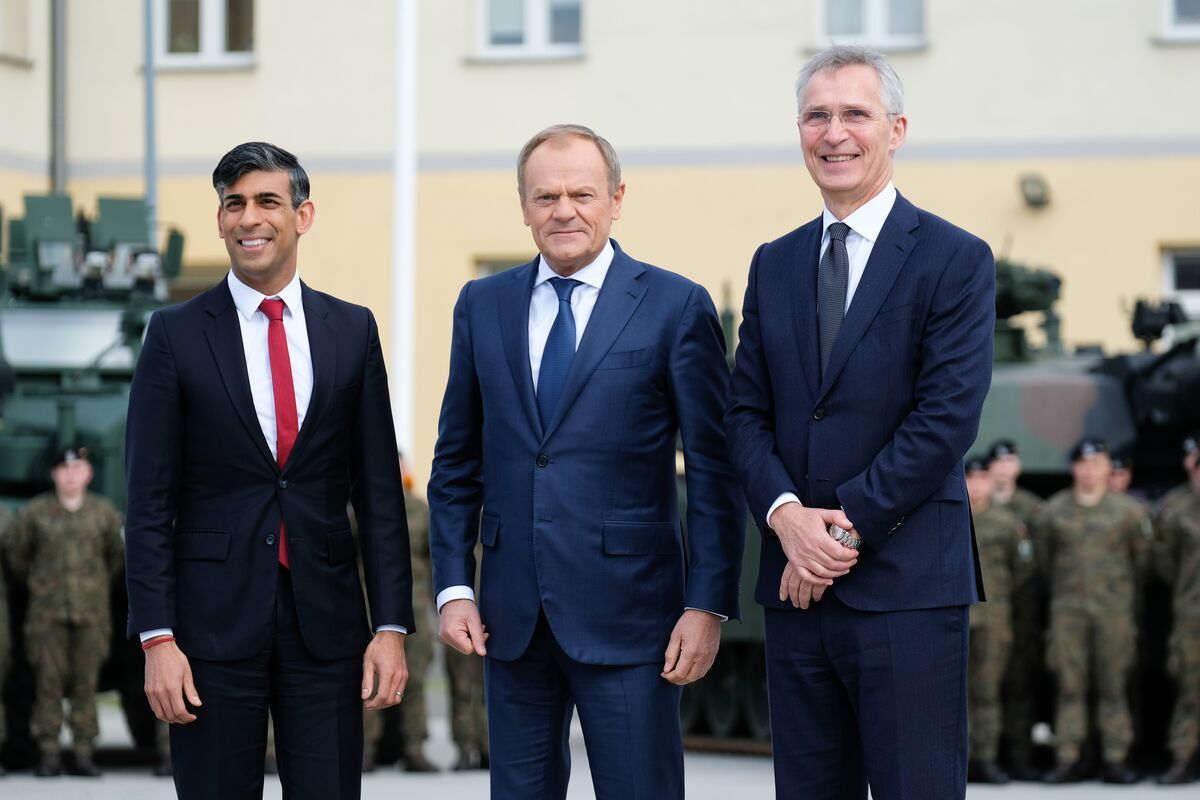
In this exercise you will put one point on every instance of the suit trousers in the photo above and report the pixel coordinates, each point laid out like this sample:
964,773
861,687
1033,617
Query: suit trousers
629,715
315,707
860,697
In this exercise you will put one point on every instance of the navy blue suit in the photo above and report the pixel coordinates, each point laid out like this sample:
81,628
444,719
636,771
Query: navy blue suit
881,434
584,560
205,503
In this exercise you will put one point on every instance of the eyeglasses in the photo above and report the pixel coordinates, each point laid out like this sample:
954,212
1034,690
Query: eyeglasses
849,117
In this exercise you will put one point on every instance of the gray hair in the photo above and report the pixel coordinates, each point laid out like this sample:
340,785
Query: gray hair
891,90
560,132
260,157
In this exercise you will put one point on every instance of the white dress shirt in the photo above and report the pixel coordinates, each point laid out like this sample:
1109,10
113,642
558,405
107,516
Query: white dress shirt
865,223
254,323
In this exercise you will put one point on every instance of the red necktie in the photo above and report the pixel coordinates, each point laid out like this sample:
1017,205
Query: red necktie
287,424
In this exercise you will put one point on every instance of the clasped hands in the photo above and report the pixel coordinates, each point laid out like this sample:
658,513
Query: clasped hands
814,558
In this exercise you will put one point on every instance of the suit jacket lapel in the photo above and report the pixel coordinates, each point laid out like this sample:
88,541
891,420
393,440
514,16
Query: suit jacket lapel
321,347
224,334
514,331
619,297
883,267
803,295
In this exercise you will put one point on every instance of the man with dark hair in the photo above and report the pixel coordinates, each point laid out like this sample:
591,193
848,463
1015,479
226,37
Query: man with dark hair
864,357
257,410
571,378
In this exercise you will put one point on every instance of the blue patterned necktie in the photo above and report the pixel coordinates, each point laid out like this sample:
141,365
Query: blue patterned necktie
559,352
832,275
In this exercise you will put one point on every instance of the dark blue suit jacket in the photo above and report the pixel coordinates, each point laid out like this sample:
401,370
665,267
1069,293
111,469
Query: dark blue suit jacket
581,517
206,497
883,433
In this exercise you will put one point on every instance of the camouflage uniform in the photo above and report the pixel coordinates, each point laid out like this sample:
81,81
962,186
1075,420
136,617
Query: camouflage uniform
1179,564
468,712
5,639
1028,636
999,534
68,560
1094,556
418,649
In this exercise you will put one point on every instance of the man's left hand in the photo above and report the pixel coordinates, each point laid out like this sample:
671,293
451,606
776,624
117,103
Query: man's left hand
692,648
385,670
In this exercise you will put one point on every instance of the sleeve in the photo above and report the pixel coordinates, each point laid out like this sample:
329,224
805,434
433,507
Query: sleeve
456,483
19,546
951,384
377,494
699,380
114,545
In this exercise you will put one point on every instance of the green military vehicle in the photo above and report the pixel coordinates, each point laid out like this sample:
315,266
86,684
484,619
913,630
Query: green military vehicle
74,300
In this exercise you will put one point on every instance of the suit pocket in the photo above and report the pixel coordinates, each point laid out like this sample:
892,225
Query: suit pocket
624,359
641,539
489,530
893,316
341,547
199,544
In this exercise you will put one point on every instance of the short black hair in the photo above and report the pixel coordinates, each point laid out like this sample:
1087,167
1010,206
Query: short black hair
261,157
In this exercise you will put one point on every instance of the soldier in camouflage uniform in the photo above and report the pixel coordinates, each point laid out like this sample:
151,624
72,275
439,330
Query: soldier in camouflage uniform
999,534
414,724
1096,545
468,713
5,639
1029,601
66,546
1179,564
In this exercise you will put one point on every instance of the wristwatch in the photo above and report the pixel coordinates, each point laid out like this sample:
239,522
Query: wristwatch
844,537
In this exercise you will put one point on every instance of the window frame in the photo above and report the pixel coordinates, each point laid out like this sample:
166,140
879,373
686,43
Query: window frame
875,35
14,33
212,54
1188,298
537,45
1175,31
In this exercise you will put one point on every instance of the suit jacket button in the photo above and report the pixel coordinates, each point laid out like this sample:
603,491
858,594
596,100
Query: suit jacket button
542,460
283,484
819,414
270,538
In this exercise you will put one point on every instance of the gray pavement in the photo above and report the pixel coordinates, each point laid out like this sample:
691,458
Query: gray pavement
709,777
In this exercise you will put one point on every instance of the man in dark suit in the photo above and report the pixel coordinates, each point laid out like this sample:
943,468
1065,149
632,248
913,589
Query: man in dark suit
257,409
570,379
864,359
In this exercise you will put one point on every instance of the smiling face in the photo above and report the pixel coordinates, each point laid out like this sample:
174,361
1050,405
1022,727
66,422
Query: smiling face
261,229
850,158
566,202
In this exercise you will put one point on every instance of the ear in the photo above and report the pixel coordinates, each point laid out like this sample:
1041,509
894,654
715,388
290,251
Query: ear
305,215
620,195
524,211
899,133
220,231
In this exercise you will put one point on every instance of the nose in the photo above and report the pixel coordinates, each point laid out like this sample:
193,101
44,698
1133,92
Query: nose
836,132
250,216
564,208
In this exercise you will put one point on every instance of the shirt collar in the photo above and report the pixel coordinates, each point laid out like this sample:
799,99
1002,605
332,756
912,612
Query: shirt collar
248,300
866,220
593,274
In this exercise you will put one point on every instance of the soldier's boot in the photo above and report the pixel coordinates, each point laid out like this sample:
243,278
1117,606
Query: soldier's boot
1118,772
163,768
1178,773
484,761
81,765
1068,772
50,765
415,760
986,772
468,759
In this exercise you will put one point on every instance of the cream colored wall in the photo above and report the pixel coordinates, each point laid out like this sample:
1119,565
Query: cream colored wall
25,95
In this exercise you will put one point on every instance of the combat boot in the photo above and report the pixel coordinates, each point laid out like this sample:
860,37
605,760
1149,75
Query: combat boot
163,768
1067,773
49,767
1118,772
415,761
468,759
1177,774
81,766
986,772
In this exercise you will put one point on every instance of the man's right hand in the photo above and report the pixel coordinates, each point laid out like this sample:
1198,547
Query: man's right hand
168,682
461,628
804,534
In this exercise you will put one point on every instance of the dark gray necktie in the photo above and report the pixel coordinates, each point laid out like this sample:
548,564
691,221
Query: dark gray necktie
832,275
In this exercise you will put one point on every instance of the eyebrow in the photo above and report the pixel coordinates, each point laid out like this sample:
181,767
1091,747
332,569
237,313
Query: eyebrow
259,196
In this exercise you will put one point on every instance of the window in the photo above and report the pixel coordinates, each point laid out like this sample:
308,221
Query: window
206,32
492,265
1181,279
14,29
530,28
1181,20
887,24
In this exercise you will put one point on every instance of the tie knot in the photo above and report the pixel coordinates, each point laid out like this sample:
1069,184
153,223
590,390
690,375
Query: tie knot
838,231
563,287
273,308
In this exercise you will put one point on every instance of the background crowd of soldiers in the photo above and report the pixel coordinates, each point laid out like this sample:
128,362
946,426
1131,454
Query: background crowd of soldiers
65,547
1067,580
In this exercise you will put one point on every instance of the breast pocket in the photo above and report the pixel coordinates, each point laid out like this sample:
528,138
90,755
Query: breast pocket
893,316
626,359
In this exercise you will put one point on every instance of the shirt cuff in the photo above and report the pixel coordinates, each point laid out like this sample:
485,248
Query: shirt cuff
454,593
783,499
721,617
148,635
396,628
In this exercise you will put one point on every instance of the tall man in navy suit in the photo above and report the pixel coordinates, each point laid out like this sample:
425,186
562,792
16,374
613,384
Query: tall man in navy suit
864,358
571,378
257,409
